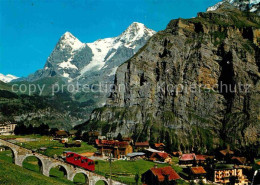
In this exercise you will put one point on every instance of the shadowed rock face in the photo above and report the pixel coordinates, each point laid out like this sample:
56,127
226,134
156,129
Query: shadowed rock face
217,48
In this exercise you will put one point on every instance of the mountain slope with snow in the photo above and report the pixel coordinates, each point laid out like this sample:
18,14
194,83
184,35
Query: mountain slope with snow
244,5
75,61
7,78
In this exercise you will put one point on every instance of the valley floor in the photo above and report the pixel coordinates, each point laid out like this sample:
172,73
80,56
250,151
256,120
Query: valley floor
123,171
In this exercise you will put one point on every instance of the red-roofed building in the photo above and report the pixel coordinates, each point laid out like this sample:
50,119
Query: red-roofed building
118,149
200,157
187,158
159,146
238,160
198,172
160,156
164,175
140,146
226,154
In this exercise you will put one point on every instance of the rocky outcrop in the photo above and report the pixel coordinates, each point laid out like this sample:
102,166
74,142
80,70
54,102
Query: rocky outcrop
173,89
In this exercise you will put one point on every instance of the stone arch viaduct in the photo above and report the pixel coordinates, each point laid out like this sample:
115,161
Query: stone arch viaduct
20,154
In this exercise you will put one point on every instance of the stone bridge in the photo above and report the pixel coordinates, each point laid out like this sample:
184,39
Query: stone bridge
47,163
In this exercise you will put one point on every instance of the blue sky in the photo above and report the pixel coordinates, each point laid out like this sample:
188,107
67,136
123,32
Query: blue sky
29,29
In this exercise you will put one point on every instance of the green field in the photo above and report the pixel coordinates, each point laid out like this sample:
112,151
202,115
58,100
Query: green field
53,146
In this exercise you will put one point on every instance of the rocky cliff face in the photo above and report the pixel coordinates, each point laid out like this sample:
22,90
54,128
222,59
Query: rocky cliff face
201,54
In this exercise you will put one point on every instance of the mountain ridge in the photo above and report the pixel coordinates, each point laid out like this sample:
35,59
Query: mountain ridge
243,5
71,59
7,78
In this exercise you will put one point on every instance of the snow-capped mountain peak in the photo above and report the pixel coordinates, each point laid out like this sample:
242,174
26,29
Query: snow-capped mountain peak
135,31
7,78
250,5
69,40
75,60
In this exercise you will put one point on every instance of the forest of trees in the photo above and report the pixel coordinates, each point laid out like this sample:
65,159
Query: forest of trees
42,129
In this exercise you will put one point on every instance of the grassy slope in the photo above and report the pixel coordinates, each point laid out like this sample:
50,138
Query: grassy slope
16,175
53,146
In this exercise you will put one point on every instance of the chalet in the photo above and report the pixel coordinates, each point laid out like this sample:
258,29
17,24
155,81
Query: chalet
118,149
72,133
187,158
197,172
194,159
164,175
239,160
141,146
61,134
200,159
149,152
231,175
159,146
7,128
161,156
226,154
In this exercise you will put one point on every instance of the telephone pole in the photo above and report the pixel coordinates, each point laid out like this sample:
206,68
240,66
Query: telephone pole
110,165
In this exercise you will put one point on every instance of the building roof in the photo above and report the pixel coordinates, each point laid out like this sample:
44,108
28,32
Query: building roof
163,155
242,160
7,123
200,157
146,143
111,143
135,154
187,157
157,155
152,150
224,166
158,145
127,139
198,170
164,171
226,151
61,133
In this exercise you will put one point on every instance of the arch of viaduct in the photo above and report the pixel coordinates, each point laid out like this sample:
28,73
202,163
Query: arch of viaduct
20,154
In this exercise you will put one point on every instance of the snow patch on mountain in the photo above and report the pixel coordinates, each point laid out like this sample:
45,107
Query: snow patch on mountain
237,3
104,49
7,78
99,48
67,64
